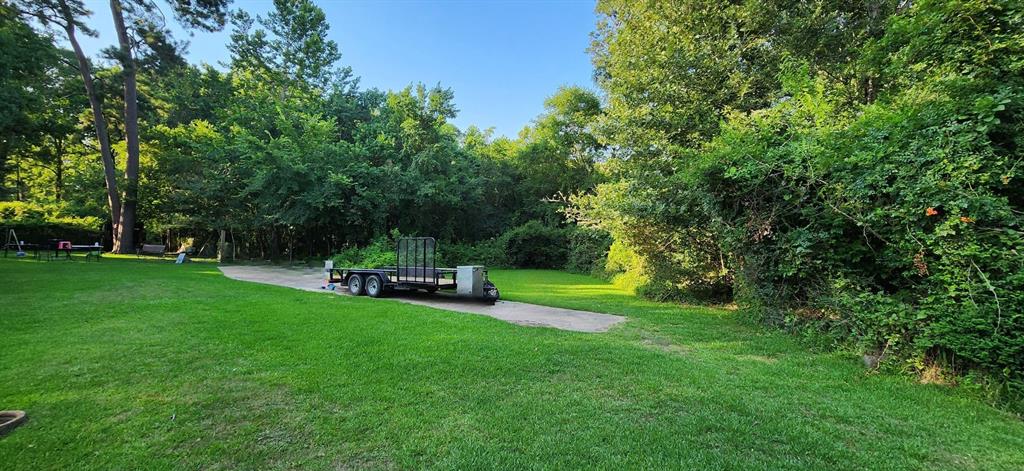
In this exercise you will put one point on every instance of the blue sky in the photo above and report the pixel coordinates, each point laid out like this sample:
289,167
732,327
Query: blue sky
502,58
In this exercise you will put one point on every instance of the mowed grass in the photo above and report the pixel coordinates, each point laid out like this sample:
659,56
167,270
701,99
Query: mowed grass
149,365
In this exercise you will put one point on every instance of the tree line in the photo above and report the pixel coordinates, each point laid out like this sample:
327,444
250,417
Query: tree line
281,149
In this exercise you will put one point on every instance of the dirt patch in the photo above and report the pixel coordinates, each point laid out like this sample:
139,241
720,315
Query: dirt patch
757,358
524,314
664,344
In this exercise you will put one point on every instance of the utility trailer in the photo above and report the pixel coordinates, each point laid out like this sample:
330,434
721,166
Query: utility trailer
415,269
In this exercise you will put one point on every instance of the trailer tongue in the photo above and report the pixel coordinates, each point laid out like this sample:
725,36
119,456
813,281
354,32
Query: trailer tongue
415,269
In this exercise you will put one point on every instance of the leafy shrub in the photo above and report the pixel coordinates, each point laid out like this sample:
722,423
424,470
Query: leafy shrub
490,252
379,253
588,250
897,228
672,252
35,223
887,213
535,245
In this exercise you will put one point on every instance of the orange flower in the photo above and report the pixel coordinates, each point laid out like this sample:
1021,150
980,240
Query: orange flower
931,212
966,219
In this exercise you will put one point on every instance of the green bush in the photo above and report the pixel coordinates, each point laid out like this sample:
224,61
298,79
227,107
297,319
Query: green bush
887,213
379,253
668,248
588,251
535,245
897,228
35,223
490,253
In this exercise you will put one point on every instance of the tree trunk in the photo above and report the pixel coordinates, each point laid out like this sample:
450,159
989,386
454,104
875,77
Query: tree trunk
17,181
4,146
58,169
221,246
99,122
125,243
275,250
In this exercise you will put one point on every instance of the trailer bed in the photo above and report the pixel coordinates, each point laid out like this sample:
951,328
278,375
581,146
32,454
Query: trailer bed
415,270
444,278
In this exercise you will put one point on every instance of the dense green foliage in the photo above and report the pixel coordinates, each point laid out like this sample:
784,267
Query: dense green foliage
39,106
35,223
380,252
284,152
534,245
491,252
530,245
207,372
871,191
588,251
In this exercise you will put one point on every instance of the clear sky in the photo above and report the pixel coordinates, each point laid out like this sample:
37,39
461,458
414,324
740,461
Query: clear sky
502,58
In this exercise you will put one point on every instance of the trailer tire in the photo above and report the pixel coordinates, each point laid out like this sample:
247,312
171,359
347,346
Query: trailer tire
374,286
355,285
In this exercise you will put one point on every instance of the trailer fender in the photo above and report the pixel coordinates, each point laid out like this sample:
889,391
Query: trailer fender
491,294
383,276
364,272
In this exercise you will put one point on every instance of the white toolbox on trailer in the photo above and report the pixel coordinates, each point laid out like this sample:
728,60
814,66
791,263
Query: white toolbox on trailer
470,279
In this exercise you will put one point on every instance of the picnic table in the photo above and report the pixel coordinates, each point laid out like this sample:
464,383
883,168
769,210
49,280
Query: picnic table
92,251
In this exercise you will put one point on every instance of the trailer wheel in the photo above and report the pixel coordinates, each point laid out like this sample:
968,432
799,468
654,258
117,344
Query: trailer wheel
355,285
374,286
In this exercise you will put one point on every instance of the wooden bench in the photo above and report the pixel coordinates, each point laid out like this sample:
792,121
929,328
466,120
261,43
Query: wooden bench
152,249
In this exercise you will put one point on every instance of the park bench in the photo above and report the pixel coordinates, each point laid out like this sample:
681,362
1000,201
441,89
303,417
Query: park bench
152,249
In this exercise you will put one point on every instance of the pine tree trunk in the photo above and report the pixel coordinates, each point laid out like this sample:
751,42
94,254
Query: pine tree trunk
275,251
99,122
222,246
58,170
4,146
125,243
18,185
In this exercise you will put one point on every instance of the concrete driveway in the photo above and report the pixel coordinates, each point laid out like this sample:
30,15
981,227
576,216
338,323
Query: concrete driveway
525,314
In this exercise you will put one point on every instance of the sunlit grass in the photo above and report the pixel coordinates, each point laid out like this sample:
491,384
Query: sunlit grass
132,365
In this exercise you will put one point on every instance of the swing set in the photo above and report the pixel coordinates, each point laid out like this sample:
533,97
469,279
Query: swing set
59,248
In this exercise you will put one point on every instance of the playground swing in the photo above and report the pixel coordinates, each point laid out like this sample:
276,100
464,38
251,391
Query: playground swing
17,243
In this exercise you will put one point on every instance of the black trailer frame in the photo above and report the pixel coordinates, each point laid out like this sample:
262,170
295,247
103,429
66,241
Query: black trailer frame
415,269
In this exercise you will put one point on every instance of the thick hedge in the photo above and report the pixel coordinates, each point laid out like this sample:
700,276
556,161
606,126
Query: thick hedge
490,253
530,245
536,245
898,226
588,251
35,223
379,253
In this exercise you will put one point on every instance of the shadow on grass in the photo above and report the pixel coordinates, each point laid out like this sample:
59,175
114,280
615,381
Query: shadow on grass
126,365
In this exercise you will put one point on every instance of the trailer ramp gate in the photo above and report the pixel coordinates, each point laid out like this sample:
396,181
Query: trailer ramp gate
417,258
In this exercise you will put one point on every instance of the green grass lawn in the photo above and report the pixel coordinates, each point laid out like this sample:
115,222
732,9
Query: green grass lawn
149,365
